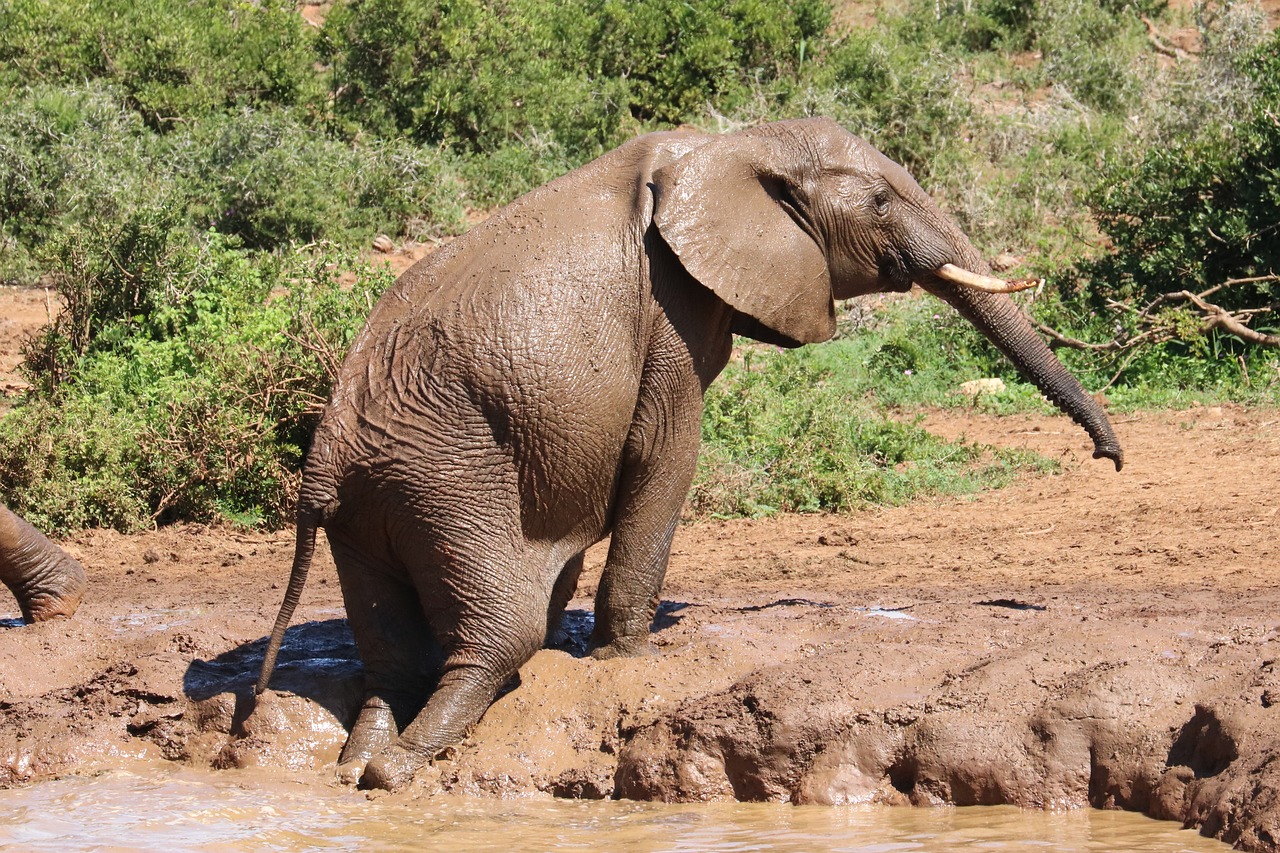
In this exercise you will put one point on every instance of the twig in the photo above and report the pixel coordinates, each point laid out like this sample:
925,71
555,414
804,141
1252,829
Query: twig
1154,328
1158,43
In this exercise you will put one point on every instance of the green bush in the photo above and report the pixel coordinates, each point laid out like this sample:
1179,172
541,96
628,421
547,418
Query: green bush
68,155
174,60
269,179
793,431
478,74
896,90
201,408
1190,214
1194,214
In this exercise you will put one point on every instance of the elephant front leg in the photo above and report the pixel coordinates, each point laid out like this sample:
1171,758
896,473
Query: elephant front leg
651,494
627,597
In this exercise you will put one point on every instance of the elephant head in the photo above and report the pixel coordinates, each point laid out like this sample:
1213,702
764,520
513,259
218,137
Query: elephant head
782,219
47,581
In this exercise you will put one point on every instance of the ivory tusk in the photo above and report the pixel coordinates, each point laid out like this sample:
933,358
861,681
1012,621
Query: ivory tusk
965,278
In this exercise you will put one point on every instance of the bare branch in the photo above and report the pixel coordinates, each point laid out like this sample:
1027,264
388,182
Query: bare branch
1076,343
1158,44
1155,327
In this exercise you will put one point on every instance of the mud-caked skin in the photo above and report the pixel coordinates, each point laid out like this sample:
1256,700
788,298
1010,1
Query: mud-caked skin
46,580
538,384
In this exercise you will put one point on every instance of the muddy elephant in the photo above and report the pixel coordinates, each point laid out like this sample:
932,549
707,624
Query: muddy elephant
46,580
538,385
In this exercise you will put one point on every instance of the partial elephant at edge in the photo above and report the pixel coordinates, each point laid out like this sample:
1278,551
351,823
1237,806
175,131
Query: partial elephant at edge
47,581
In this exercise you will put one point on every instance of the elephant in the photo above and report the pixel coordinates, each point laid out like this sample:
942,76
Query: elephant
47,581
537,385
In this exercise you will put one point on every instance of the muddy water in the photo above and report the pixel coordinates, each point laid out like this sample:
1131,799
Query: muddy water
161,809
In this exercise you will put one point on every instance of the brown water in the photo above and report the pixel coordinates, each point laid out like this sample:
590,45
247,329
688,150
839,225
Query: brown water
164,809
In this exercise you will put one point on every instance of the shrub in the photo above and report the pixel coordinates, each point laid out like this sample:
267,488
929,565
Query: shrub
1190,216
200,409
478,74
174,60
67,155
900,94
270,180
792,431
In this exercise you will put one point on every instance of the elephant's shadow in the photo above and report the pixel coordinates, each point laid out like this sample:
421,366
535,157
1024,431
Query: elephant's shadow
319,661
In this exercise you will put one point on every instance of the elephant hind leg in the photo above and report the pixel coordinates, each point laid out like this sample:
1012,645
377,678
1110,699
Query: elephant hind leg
400,654
473,673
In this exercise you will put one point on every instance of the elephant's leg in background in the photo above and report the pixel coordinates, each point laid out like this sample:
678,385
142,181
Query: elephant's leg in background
486,638
561,593
400,654
47,582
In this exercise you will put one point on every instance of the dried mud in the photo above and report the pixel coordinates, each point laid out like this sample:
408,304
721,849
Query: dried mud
1088,638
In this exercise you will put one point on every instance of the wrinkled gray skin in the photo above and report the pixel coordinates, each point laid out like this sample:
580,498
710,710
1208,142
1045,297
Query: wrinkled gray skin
47,582
538,385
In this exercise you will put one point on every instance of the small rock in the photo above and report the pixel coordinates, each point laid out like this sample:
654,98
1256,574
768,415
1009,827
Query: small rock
1005,261
382,243
976,388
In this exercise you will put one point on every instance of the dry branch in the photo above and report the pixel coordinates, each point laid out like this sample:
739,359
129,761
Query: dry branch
1153,325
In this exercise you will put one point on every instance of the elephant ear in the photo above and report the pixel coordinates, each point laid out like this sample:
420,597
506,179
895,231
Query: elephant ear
718,209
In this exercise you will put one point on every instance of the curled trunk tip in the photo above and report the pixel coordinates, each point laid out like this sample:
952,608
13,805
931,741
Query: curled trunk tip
1112,452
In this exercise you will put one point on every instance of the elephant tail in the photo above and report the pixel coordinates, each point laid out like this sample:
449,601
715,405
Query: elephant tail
304,549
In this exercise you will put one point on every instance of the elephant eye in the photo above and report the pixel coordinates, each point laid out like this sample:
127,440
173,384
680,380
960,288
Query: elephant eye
881,202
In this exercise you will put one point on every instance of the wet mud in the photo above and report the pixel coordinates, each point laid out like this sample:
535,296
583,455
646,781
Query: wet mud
1083,639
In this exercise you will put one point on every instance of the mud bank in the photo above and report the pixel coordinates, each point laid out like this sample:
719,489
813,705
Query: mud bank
1090,638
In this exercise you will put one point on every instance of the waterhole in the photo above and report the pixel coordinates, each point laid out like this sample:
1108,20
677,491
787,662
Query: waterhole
166,809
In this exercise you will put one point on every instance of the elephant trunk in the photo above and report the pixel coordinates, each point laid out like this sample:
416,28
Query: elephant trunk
1005,325
46,580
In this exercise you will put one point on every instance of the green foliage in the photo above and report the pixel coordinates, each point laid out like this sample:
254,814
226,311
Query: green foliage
267,178
1089,49
200,409
174,60
896,90
477,74
78,160
1192,214
786,431
67,155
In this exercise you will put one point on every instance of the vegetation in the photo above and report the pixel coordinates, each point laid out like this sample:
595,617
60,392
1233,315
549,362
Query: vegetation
196,179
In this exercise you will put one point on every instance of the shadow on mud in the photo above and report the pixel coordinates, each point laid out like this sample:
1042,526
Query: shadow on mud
574,634
315,657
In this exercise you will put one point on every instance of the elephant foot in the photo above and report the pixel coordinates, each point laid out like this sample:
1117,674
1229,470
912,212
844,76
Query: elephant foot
46,608
52,598
349,772
625,647
392,769
374,731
